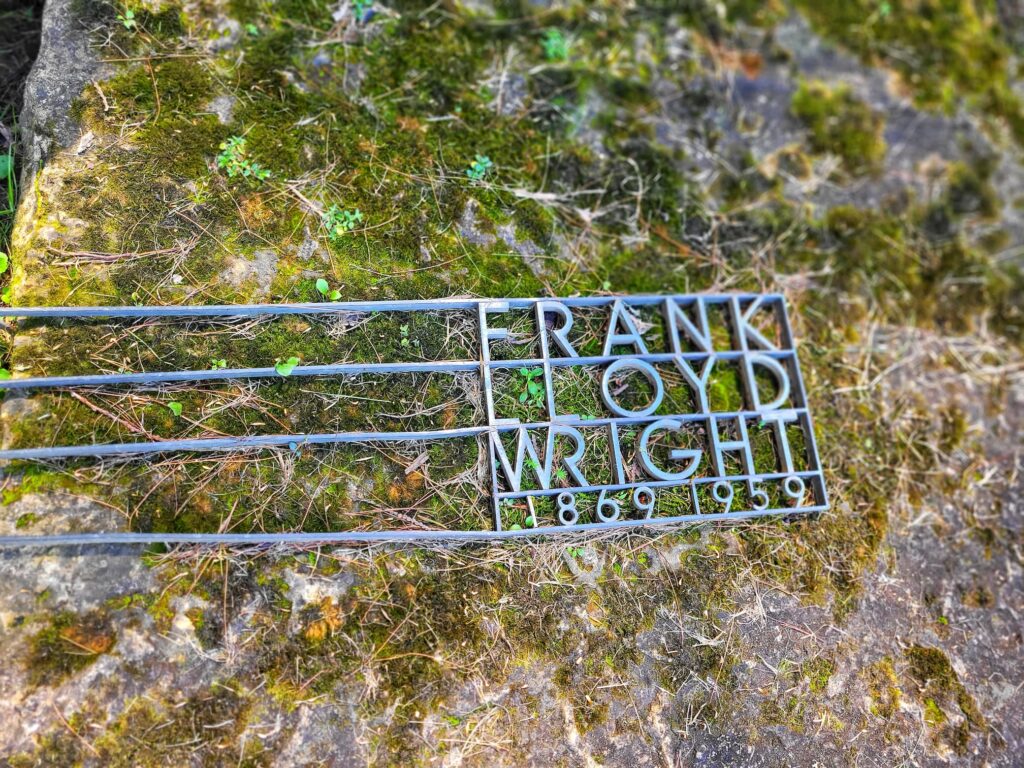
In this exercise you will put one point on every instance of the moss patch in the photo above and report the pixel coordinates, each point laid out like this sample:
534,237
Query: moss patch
839,123
883,687
940,690
945,50
68,645
201,729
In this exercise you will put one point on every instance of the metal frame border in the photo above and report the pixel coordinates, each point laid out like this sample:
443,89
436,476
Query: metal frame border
483,365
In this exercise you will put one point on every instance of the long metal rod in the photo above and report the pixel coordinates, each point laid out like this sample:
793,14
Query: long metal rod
308,308
318,438
376,537
352,369
168,377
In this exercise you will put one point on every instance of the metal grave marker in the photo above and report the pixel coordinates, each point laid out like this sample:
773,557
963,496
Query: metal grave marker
666,441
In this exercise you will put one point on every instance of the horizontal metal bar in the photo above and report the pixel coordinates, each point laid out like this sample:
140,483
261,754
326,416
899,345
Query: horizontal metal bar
309,308
323,438
231,443
807,473
353,369
167,377
380,537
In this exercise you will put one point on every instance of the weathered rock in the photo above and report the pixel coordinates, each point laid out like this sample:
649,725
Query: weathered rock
65,65
664,153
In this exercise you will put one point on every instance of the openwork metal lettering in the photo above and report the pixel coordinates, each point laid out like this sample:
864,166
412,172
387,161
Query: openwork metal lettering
697,411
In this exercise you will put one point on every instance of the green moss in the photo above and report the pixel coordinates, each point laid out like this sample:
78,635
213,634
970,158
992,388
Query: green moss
787,712
883,686
954,428
940,689
69,644
201,729
970,192
58,748
933,714
945,50
818,672
841,124
890,262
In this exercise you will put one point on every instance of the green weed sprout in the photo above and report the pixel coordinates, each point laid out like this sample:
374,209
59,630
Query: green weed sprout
533,390
285,367
200,195
324,289
406,341
556,47
232,158
174,407
338,222
217,363
127,19
479,168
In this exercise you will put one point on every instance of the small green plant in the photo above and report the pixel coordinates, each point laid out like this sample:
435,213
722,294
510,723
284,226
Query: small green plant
324,289
285,367
7,178
252,30
533,390
4,373
127,19
340,222
232,158
200,195
216,363
403,331
7,213
174,407
556,47
479,168
24,521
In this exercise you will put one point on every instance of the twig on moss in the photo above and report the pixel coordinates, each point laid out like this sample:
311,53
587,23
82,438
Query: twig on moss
137,428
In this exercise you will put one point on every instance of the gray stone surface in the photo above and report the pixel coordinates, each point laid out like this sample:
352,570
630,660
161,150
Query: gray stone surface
66,64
